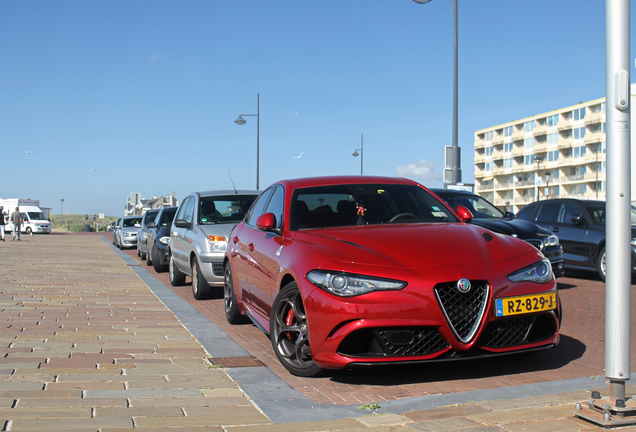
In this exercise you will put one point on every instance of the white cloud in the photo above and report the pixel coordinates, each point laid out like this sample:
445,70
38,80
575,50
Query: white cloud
156,56
422,170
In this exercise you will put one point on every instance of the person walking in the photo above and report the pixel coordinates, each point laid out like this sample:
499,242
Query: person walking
2,223
16,219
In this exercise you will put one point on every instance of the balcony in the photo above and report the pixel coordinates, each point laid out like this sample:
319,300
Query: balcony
564,125
525,183
564,143
480,158
497,140
523,200
517,135
593,137
540,147
540,130
593,118
591,156
479,143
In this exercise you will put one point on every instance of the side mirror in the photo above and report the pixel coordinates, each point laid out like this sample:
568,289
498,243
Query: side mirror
464,214
266,222
577,220
181,223
509,215
151,224
137,225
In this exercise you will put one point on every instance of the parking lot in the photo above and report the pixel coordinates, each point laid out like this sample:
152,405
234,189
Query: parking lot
579,354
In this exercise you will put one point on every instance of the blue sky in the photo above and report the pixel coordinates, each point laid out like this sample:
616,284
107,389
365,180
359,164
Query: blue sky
145,93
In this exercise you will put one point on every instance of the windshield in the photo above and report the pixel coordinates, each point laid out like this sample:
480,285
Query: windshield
166,217
213,210
364,204
479,207
150,216
597,212
131,222
36,216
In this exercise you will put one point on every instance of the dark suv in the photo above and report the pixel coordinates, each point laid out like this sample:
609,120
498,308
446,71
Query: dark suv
158,239
580,225
490,217
142,234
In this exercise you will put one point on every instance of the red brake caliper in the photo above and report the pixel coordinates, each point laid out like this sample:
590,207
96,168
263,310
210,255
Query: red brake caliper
289,321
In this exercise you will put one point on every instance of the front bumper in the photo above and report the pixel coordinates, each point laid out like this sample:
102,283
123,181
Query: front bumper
212,268
411,326
129,241
555,255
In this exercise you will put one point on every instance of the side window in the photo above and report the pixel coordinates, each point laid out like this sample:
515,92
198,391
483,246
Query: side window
548,212
276,205
189,213
567,211
182,209
259,207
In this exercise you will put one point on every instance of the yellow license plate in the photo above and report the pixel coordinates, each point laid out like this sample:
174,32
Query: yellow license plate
524,304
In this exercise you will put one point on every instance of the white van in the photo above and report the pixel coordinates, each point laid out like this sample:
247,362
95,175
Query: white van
34,220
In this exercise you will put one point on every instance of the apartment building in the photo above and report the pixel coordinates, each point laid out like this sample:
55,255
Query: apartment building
557,154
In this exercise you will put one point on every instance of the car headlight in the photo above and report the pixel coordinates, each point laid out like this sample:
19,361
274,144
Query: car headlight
217,243
350,285
127,234
551,241
539,272
165,240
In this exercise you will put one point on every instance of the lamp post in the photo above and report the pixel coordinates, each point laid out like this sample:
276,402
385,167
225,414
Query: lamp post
241,121
538,160
361,154
453,152
547,186
61,211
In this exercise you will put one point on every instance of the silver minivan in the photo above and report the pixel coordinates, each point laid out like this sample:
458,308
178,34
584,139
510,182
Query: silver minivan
199,236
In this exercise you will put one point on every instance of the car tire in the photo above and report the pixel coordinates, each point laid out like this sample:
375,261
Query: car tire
139,252
155,260
232,312
29,231
200,288
601,264
289,333
119,244
177,277
148,258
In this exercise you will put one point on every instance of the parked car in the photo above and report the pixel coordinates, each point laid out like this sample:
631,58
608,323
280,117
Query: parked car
580,225
142,232
158,240
116,227
358,271
199,236
488,216
126,231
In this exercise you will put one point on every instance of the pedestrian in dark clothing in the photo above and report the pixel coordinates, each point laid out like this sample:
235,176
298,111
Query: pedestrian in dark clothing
2,223
16,219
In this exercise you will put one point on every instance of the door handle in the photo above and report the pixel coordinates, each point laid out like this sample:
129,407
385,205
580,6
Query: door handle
251,247
555,229
235,239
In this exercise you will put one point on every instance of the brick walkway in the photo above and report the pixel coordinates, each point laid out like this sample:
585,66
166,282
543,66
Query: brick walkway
87,346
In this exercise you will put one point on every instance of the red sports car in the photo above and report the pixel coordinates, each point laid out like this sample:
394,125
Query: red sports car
349,271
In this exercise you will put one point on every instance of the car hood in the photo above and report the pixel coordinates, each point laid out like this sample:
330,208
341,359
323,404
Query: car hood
218,229
414,245
521,228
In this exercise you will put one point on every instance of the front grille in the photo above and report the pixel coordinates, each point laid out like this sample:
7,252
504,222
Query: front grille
536,243
518,330
393,341
463,311
217,269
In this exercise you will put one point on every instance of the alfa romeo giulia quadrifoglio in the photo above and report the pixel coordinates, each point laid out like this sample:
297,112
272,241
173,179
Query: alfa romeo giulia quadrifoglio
358,271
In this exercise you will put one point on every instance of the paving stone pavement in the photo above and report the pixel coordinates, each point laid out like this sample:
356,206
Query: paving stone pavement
87,345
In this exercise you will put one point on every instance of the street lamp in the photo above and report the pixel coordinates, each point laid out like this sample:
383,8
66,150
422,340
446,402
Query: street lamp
241,121
61,210
538,160
547,186
452,152
361,154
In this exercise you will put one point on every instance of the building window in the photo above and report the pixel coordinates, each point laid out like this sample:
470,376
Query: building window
529,159
579,133
508,131
553,156
579,114
553,138
508,163
579,151
528,143
508,147
488,135
553,120
489,166
489,150
529,126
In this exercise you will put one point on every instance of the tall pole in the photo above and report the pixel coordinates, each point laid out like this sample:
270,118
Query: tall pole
258,131
618,227
456,165
61,210
361,153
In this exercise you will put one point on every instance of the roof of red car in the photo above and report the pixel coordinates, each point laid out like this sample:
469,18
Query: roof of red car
334,180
